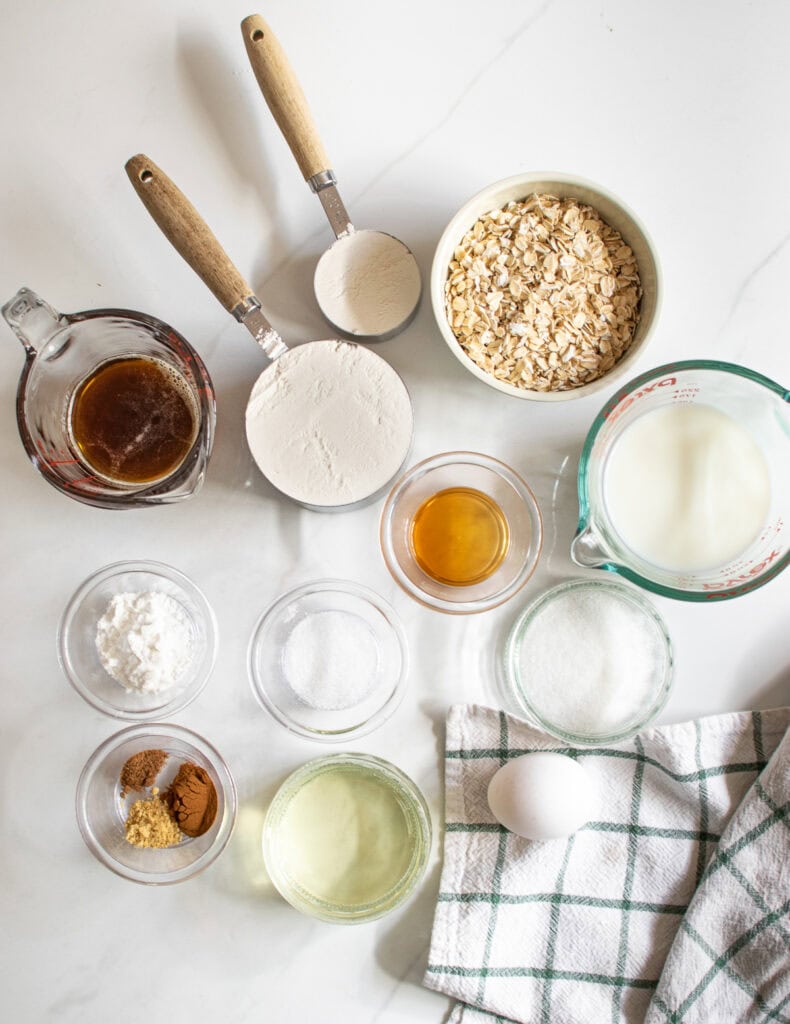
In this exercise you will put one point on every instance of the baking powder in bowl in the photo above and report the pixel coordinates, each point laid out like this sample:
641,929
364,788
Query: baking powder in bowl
145,641
329,423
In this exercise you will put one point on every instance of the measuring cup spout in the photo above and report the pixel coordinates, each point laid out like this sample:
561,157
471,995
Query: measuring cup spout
587,549
31,319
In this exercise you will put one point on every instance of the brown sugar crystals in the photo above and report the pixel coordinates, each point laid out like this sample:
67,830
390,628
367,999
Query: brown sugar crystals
149,824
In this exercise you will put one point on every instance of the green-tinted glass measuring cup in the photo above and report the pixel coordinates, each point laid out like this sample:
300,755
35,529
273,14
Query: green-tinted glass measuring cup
760,406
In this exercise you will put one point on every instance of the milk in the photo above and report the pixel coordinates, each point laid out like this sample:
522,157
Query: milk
687,488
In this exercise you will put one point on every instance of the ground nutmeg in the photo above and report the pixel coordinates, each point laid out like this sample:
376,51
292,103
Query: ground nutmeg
141,770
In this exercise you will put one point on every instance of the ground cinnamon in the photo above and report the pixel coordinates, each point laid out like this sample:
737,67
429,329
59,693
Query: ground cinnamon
192,799
141,770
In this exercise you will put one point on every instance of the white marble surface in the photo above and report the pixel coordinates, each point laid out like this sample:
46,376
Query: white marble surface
680,108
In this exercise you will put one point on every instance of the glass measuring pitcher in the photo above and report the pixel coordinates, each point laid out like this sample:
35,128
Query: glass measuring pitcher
62,350
755,403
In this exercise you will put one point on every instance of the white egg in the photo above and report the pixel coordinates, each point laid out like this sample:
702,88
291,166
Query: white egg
542,795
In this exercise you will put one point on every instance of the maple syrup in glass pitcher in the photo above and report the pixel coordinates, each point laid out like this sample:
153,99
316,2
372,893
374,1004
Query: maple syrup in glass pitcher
133,419
114,407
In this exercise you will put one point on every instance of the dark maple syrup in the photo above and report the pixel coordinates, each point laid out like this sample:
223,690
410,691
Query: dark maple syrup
133,420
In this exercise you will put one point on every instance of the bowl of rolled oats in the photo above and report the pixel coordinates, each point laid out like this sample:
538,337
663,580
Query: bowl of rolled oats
546,286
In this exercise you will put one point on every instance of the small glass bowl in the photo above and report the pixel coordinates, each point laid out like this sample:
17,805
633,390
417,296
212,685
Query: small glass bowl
102,812
368,770
481,473
79,658
267,660
641,715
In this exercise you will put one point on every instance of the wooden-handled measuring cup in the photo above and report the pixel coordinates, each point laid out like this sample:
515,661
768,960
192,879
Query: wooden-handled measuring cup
303,419
367,283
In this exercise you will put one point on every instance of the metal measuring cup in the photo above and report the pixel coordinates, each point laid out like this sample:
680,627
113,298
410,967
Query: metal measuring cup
185,229
367,283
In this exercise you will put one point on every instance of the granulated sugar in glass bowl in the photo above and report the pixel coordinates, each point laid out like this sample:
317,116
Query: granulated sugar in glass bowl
590,662
545,286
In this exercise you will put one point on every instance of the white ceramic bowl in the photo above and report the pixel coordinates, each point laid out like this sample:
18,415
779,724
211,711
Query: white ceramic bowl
613,211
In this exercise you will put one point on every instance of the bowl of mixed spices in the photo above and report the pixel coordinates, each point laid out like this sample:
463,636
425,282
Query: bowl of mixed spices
546,286
156,804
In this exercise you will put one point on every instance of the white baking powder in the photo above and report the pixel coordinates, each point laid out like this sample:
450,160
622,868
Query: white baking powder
368,283
331,660
329,423
145,641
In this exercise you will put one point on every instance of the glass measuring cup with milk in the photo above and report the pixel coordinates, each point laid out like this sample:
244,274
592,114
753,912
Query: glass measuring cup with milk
684,482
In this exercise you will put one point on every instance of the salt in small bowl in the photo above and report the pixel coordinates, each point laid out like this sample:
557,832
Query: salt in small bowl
312,703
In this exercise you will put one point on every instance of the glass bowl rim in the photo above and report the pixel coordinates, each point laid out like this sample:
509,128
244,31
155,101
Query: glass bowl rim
187,693
158,731
328,585
406,787
496,466
529,613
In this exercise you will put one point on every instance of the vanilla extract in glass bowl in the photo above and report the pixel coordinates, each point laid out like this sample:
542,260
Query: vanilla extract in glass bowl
461,532
459,536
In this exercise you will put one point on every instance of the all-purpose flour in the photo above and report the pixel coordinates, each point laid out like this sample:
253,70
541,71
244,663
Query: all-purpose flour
145,641
368,283
329,423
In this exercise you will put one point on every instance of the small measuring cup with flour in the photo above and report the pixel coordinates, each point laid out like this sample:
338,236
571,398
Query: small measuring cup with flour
367,283
329,423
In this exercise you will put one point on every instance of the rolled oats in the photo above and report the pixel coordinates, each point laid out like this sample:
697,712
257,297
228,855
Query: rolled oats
543,294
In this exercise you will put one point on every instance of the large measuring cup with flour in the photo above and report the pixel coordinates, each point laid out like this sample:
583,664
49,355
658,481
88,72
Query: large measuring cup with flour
367,283
329,423
758,409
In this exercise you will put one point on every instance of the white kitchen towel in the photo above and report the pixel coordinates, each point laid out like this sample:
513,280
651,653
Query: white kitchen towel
730,960
578,931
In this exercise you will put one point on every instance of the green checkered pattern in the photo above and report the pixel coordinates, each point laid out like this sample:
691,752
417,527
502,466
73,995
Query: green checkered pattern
668,872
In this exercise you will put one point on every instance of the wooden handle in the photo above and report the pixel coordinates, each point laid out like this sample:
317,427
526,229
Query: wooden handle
186,230
282,92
